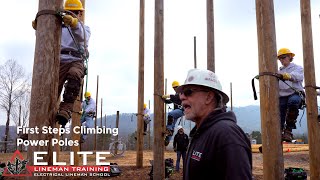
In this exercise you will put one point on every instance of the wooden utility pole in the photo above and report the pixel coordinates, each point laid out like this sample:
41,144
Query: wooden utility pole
95,122
140,121
210,37
101,114
195,51
117,137
231,105
105,120
269,102
77,108
311,95
158,153
44,91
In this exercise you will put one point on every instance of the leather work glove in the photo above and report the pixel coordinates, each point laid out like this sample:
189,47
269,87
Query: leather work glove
34,24
68,20
286,76
165,96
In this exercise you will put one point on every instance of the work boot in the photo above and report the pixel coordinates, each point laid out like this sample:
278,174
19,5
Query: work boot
166,141
287,136
63,117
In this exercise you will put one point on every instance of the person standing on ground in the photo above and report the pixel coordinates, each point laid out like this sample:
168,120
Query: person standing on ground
218,147
290,91
180,145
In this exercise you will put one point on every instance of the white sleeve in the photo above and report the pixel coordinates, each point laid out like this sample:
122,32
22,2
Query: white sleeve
91,106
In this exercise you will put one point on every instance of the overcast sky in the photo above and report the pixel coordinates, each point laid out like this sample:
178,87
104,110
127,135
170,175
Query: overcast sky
114,44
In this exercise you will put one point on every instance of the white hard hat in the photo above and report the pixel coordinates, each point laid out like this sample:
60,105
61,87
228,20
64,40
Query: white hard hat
179,127
205,78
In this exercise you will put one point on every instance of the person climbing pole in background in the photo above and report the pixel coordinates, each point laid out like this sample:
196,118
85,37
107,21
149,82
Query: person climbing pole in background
88,113
175,114
290,90
146,118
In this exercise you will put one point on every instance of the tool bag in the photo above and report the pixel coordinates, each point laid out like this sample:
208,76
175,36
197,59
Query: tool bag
169,167
295,174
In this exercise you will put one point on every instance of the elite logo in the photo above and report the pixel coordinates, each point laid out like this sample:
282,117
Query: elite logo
17,166
196,155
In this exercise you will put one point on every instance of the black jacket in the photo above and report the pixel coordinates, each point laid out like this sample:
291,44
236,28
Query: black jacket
175,99
181,142
219,149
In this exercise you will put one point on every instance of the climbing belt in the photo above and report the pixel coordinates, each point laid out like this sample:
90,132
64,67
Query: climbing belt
84,52
279,77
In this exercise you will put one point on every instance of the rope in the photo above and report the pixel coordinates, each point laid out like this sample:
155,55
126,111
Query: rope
279,77
47,12
315,87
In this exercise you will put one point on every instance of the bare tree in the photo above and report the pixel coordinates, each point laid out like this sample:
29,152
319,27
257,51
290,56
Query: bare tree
13,85
21,110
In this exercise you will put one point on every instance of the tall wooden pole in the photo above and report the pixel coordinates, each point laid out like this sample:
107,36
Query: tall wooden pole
105,120
195,51
311,95
101,114
45,78
95,122
140,123
77,108
210,37
269,102
158,152
117,137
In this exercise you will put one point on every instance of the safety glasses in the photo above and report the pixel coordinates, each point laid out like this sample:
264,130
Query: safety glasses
282,57
189,92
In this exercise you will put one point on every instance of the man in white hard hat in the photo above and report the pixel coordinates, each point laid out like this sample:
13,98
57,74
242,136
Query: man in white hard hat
219,146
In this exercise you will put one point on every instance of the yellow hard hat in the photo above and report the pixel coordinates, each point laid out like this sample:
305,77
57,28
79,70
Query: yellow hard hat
73,5
87,94
285,51
175,84
144,105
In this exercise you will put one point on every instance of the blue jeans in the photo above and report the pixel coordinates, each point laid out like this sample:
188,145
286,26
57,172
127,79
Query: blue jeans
176,114
179,154
286,102
87,122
